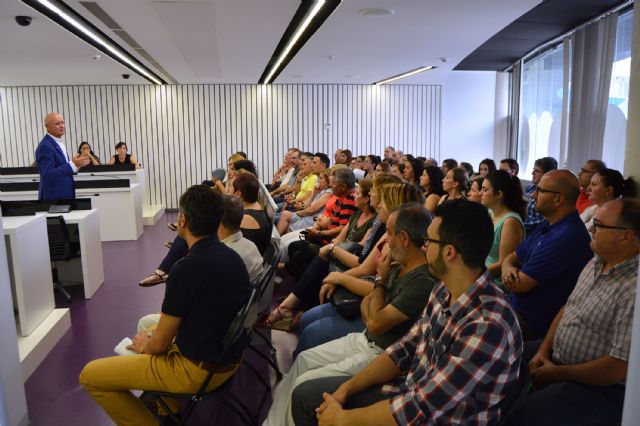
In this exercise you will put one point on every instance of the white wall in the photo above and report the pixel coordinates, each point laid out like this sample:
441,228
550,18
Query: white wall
468,103
180,133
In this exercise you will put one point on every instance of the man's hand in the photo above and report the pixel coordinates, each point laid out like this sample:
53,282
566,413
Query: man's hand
385,267
80,160
138,342
545,374
330,412
510,276
538,360
326,291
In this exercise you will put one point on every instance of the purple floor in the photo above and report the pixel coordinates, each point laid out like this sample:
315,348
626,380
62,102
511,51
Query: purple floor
54,396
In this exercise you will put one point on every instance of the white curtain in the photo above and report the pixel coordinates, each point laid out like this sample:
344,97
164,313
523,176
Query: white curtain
592,60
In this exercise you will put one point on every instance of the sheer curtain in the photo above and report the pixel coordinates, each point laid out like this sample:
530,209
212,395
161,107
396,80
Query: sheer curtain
592,58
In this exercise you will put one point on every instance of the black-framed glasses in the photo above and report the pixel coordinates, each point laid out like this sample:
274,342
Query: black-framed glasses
428,241
597,224
550,191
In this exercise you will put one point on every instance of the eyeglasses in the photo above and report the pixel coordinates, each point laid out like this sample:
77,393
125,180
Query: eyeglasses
428,241
542,191
597,224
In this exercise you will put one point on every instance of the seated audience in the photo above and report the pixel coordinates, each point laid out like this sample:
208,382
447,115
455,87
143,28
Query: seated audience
306,213
448,164
396,156
397,170
580,368
412,171
431,162
399,295
453,366
369,165
227,186
122,157
502,195
454,185
255,226
431,184
84,150
540,167
382,167
606,185
204,293
585,174
468,168
388,154
474,193
543,270
308,182
510,166
285,175
323,323
486,167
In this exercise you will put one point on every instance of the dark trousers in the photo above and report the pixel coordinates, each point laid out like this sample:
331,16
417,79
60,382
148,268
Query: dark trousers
176,252
569,404
308,396
307,288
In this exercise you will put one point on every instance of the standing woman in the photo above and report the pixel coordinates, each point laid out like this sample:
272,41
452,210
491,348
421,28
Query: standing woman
606,185
502,194
122,157
431,184
84,150
454,184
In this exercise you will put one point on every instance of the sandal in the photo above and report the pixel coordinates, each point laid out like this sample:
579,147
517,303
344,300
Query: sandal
284,319
172,226
155,278
168,244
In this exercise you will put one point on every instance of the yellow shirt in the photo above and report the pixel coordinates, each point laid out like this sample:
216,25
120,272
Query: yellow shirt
306,186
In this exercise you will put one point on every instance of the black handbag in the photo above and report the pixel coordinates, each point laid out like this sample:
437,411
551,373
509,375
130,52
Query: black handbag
345,303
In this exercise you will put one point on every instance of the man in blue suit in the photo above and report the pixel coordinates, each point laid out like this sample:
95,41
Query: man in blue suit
56,169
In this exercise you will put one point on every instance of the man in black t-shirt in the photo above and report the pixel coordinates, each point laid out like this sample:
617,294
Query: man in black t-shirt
204,292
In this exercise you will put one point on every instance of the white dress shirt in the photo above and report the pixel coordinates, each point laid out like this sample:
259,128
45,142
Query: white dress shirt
247,251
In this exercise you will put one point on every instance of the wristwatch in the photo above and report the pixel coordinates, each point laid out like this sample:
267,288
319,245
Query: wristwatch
332,246
378,283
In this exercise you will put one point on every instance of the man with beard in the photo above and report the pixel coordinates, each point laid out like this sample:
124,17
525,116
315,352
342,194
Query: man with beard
458,361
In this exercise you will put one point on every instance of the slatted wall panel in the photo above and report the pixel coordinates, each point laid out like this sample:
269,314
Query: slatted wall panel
181,132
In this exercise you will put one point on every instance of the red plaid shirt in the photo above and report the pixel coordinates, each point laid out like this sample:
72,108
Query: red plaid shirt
460,361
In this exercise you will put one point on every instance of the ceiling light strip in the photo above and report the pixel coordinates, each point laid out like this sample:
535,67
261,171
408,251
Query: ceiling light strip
314,13
404,75
93,36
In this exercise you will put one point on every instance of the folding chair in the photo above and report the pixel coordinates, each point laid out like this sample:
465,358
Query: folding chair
60,249
239,329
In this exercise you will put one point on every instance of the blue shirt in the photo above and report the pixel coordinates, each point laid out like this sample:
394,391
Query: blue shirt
533,218
554,255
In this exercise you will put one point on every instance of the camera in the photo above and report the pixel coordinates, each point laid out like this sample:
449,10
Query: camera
24,21
126,76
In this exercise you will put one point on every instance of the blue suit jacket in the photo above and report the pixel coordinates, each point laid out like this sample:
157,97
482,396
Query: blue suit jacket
56,175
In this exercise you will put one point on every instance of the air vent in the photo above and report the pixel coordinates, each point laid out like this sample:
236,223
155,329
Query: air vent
107,20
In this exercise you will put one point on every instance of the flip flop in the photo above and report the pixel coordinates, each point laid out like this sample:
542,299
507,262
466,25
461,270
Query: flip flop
172,226
168,244
153,279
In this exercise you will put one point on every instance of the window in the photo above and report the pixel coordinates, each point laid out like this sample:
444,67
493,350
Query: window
615,132
541,109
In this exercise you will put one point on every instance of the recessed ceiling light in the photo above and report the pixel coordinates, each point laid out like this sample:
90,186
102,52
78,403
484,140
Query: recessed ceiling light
376,12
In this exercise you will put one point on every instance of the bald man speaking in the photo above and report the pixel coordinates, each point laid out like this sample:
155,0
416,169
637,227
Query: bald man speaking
56,170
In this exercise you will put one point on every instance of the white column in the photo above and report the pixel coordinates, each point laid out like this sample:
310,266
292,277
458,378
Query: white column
13,403
501,117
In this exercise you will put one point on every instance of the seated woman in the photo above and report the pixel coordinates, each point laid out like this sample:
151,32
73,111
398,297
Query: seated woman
413,170
474,193
306,213
122,157
323,323
608,184
398,170
502,195
431,184
84,150
454,184
255,226
226,186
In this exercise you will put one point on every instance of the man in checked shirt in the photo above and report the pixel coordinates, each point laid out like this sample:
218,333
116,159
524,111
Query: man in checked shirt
580,367
459,360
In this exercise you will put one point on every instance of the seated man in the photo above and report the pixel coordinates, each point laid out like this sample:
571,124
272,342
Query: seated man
204,292
459,359
398,297
229,233
543,270
581,366
286,173
540,167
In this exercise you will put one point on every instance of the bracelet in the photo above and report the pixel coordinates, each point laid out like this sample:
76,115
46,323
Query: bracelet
331,249
380,285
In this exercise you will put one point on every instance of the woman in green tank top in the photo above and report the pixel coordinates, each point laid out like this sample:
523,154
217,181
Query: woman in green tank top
502,195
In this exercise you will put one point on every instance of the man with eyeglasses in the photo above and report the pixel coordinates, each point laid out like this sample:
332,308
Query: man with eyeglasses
543,270
540,167
458,361
585,174
580,367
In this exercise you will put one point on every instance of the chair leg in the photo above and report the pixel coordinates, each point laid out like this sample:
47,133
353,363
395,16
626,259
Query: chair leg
65,293
264,383
273,360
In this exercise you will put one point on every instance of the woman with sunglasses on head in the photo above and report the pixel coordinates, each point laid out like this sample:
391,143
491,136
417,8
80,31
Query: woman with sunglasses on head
606,185
502,195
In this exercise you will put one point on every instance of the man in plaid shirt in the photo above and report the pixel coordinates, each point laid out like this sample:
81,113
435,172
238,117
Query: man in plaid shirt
458,361
581,365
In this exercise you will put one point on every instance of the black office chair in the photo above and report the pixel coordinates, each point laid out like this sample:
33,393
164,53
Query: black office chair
61,248
239,329
516,394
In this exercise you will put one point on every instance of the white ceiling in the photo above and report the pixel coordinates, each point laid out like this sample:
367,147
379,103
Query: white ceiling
231,41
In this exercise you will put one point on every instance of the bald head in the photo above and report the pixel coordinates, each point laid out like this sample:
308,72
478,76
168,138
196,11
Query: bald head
564,181
54,123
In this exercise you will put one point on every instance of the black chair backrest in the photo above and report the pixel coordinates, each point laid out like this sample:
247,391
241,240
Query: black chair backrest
60,247
517,392
272,254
